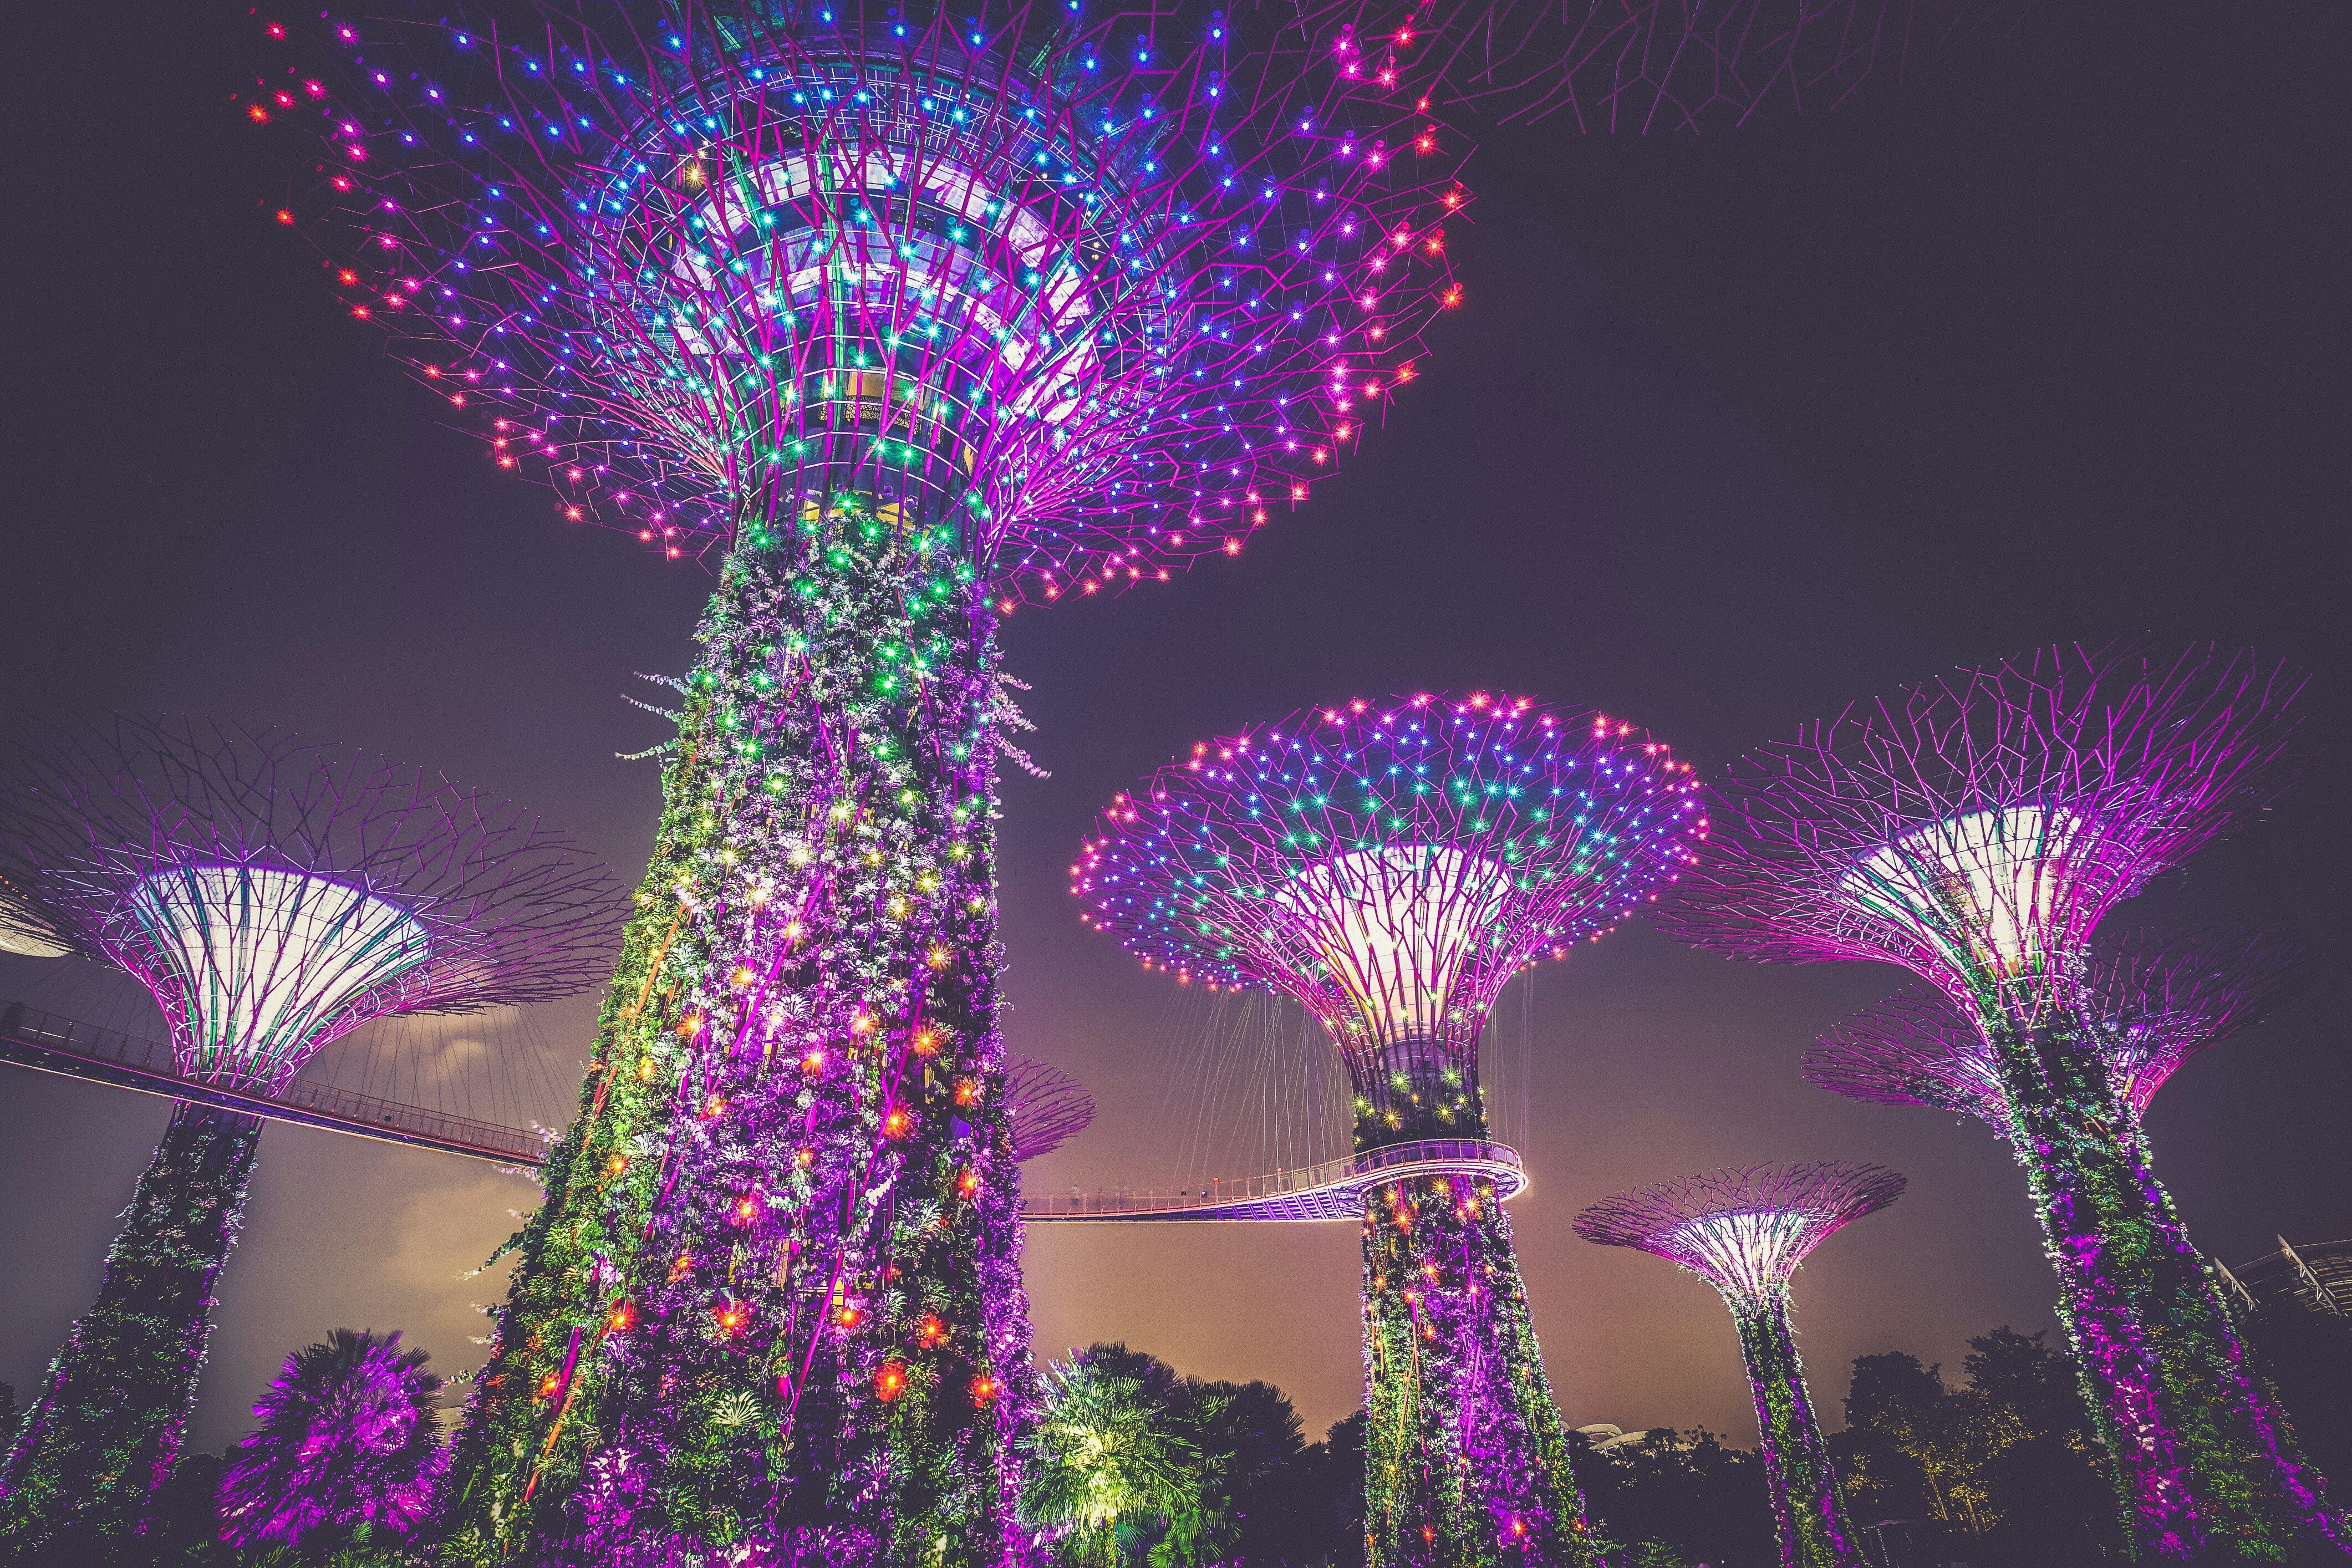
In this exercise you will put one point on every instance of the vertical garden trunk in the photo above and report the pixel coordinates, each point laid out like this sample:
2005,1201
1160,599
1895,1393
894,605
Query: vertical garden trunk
1467,1458
1813,1529
2204,1460
772,1300
107,1426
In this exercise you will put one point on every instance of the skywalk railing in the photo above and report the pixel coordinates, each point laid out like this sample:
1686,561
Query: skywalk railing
1284,1195
32,1037
48,1043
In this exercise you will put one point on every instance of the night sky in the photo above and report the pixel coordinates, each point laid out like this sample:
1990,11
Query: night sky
1729,433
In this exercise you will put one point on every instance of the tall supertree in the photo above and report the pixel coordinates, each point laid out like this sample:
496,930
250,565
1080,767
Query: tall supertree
1975,830
272,894
1391,865
909,314
1744,1231
2151,1004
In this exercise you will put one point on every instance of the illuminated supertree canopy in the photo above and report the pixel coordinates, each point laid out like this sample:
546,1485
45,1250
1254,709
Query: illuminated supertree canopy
914,315
1913,1048
2151,1004
1049,1107
1391,865
1745,1231
1650,65
1088,294
2154,1005
1975,831
272,894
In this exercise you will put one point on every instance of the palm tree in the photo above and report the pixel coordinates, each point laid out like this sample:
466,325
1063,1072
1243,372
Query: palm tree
1251,1440
1113,1450
349,1447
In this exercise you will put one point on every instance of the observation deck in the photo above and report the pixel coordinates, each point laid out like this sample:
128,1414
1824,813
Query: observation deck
1334,1190
48,1043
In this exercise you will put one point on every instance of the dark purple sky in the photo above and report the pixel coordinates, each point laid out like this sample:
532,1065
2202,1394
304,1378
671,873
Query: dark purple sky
1730,433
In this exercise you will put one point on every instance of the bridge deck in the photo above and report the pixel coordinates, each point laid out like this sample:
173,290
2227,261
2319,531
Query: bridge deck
46,1043
1334,1190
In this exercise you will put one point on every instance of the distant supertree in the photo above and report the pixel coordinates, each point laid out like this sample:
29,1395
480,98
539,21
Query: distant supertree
1975,831
1391,865
1745,1231
272,894
913,313
1049,1107
1665,66
2151,1004
2154,1005
347,1440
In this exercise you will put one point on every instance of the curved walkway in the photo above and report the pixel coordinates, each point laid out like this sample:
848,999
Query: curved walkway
48,1043
1334,1190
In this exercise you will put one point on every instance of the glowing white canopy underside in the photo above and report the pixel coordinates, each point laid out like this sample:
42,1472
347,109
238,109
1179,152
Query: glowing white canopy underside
1396,928
1984,887
950,278
269,962
1748,1253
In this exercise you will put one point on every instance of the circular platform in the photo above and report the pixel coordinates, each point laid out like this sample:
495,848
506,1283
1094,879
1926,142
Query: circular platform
1334,1190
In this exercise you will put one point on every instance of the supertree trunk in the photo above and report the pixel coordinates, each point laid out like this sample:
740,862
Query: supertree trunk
2205,1461
105,1429
1467,1458
1813,1529
772,1299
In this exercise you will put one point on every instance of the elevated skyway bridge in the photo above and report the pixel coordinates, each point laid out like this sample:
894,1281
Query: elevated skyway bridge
32,1037
1334,1190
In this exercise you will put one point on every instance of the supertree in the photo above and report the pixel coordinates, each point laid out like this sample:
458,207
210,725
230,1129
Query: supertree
1744,1231
272,894
1975,830
2150,1005
1047,1107
914,315
1391,865
1674,65
346,1443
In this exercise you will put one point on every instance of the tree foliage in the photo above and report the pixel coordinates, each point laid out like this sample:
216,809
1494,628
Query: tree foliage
1134,1463
2009,1454
348,1448
1678,1499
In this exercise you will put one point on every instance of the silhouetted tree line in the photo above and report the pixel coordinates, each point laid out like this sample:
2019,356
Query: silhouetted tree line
1136,1466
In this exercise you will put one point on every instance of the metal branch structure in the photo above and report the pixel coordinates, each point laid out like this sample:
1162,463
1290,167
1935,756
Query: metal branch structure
2153,1004
1975,830
272,894
2156,1004
907,315
1049,1107
1744,1231
1391,865
1669,65
1913,1048
1076,300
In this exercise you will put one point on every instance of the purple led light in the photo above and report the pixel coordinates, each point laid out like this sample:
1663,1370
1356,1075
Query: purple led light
1102,313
